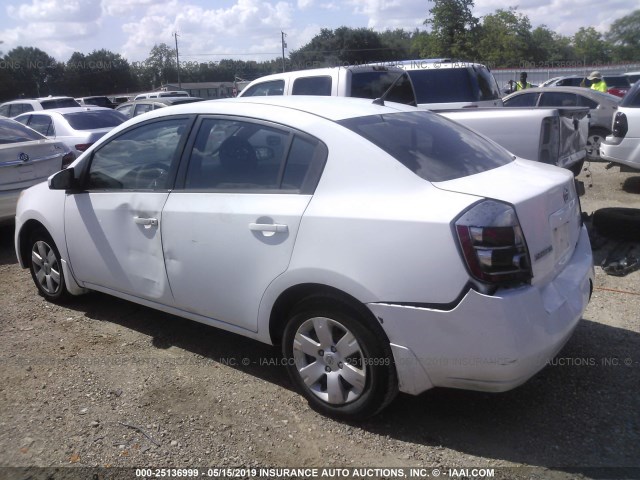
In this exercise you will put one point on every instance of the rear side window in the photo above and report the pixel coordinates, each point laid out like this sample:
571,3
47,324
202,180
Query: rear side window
125,110
59,103
375,84
42,124
524,100
232,155
4,110
142,108
275,87
433,147
558,99
586,102
443,85
93,120
312,86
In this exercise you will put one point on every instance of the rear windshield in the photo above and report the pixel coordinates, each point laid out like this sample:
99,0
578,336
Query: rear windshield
375,84
433,147
96,119
14,132
98,101
443,86
59,103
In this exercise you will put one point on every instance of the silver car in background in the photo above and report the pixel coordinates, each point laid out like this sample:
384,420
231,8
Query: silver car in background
26,158
78,127
603,107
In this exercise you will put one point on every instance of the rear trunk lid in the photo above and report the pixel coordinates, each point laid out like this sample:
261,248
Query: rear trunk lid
546,204
28,163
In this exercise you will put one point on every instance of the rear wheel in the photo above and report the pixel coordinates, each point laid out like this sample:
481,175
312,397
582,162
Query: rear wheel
343,368
596,136
46,267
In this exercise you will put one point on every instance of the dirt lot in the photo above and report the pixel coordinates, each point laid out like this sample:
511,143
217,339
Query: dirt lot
104,382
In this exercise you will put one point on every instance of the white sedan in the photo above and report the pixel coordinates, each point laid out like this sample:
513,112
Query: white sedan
385,248
77,127
623,145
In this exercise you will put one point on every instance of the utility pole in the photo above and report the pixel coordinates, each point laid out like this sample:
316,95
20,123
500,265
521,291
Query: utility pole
284,45
178,60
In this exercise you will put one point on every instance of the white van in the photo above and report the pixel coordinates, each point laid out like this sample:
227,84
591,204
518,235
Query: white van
366,81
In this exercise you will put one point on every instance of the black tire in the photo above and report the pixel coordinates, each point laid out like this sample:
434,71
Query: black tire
352,383
620,223
46,267
576,168
596,135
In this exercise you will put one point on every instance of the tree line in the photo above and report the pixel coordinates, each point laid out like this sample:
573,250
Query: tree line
503,39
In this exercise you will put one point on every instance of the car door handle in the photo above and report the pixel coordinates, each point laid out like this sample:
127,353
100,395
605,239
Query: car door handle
268,227
147,222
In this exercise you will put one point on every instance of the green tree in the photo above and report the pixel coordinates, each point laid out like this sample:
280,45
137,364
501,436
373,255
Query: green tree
161,65
34,72
589,46
100,73
549,48
453,29
505,39
624,37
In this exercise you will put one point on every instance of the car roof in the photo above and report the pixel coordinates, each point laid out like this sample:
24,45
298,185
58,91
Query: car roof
62,110
587,92
434,64
330,108
317,72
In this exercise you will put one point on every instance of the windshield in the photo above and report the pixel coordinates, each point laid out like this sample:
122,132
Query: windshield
14,132
433,147
94,119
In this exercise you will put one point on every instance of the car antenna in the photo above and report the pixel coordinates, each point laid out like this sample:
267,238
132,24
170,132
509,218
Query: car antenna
380,100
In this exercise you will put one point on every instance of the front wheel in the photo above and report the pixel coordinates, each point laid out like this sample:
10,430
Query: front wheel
340,362
46,267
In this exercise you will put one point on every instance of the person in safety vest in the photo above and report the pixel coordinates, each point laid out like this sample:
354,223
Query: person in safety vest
597,82
522,84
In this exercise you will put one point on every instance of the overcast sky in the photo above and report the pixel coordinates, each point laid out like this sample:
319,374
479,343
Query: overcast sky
245,29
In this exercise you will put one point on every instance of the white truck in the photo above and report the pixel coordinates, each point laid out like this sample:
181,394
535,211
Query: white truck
464,92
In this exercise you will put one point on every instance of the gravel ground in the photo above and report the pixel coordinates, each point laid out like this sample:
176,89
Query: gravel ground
104,382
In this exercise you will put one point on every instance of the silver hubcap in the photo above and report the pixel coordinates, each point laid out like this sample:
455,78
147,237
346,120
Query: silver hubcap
46,267
593,147
329,360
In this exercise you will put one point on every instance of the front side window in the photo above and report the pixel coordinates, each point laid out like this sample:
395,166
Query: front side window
433,147
524,100
244,156
142,108
138,159
125,109
586,102
488,88
275,87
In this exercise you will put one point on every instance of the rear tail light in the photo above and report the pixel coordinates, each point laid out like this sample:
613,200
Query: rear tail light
493,245
67,159
83,146
620,125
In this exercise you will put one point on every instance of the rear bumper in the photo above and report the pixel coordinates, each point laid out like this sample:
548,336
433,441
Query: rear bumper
625,151
489,343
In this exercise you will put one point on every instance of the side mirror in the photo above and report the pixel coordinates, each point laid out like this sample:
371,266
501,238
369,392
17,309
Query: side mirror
63,180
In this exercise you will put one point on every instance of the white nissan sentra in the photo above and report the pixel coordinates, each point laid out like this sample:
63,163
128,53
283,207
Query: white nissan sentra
385,248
